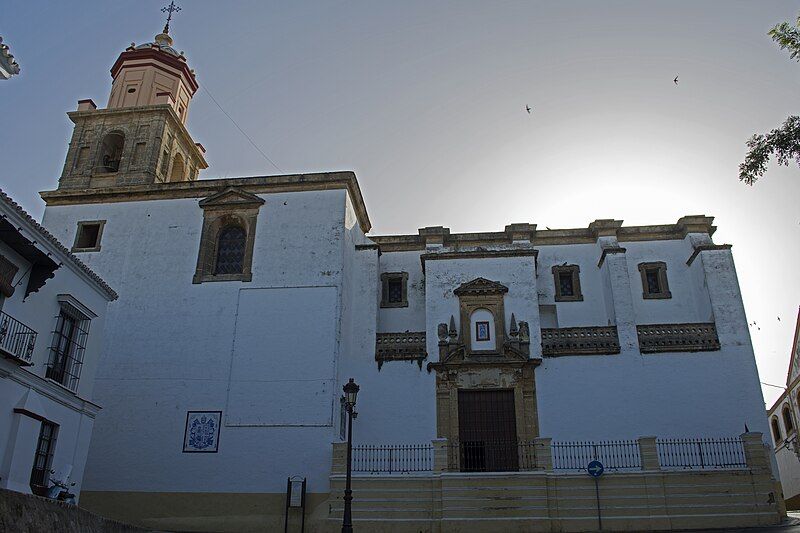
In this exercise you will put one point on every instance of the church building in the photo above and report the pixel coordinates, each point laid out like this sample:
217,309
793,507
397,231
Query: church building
493,366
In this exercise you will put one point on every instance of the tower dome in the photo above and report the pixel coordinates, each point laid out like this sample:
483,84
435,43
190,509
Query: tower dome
153,73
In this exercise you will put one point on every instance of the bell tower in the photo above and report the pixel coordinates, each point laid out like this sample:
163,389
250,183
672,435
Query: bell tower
140,138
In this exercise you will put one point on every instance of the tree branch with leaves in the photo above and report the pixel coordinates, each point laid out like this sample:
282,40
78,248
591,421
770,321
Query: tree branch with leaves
782,142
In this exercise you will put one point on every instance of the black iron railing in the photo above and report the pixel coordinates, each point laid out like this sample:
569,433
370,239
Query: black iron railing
701,453
392,458
16,339
614,454
491,456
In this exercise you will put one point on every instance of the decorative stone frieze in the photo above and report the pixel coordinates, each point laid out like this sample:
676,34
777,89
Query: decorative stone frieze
408,346
593,340
654,338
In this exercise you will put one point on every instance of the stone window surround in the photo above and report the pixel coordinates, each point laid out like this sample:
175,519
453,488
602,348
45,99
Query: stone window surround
81,225
218,213
577,295
661,266
385,277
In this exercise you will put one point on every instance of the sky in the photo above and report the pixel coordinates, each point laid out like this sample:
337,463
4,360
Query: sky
425,101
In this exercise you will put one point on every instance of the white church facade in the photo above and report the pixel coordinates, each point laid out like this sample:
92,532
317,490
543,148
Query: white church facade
488,362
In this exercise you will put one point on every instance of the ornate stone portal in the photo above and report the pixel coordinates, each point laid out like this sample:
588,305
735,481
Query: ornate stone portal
471,360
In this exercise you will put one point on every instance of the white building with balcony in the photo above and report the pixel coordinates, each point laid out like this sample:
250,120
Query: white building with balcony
490,363
783,417
52,312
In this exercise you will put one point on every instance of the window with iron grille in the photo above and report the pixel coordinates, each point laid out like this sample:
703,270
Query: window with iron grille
69,343
394,289
43,459
230,250
654,280
567,283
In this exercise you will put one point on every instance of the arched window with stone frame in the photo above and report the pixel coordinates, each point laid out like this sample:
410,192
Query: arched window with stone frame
111,148
776,430
228,236
788,422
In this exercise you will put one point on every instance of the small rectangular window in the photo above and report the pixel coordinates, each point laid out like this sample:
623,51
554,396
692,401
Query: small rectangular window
69,342
87,238
654,280
43,458
567,283
394,289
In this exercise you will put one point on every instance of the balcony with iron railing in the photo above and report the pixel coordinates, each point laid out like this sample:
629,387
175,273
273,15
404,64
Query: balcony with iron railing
17,340
588,340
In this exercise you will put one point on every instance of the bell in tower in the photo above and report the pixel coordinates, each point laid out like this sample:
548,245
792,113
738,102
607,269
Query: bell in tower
140,138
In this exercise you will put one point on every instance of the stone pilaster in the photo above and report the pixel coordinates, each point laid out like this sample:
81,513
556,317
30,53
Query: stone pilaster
440,458
544,453
617,282
723,293
756,453
648,453
339,460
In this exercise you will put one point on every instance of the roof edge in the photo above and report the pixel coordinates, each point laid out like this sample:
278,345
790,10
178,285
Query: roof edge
60,249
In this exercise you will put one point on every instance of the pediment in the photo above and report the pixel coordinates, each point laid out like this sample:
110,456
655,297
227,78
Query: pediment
231,198
480,286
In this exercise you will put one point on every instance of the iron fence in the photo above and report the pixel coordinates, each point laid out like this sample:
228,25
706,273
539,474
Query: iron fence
701,453
491,456
392,458
614,454
16,339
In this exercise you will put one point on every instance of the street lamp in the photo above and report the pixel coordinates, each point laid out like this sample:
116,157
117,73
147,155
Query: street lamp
350,394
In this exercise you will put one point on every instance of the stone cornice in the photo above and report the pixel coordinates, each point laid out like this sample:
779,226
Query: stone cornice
551,237
76,116
203,188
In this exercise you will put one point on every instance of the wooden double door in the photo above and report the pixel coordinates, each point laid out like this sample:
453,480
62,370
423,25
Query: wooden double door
487,431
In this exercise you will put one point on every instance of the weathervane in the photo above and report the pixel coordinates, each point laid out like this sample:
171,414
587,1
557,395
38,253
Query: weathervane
171,8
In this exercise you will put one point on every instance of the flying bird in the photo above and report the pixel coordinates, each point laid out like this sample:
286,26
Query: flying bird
676,80
779,319
528,108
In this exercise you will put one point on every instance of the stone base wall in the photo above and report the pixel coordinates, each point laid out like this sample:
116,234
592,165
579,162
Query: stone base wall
544,501
25,513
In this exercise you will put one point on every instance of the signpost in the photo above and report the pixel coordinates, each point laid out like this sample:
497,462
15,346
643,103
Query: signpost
596,469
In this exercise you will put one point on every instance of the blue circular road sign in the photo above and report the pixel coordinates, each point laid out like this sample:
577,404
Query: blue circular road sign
595,469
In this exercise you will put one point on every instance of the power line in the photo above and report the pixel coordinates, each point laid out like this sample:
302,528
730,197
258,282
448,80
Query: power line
771,385
260,151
